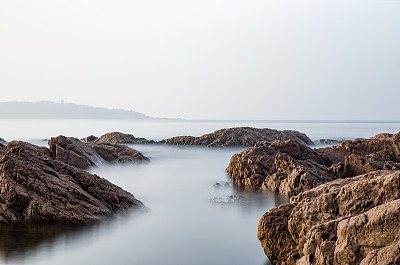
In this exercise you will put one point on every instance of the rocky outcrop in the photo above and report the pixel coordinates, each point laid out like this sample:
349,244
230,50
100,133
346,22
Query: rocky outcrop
241,136
291,167
83,155
122,138
346,221
288,167
36,188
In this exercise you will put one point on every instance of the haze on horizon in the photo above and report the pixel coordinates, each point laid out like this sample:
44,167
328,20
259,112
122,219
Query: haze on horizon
210,59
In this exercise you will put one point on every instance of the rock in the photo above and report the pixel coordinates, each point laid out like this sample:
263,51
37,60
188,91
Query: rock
117,153
73,152
241,136
382,147
2,141
36,188
83,155
90,139
122,138
329,141
219,185
346,221
289,167
230,200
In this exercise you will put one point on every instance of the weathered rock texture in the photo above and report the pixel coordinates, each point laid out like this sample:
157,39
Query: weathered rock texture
346,221
291,167
122,138
241,136
83,155
36,188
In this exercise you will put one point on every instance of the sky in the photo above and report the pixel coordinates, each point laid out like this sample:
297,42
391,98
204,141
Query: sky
208,59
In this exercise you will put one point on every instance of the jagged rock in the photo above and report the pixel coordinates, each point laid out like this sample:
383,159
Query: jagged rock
122,138
117,153
2,141
241,136
382,147
328,141
83,155
289,167
89,139
36,188
73,152
346,221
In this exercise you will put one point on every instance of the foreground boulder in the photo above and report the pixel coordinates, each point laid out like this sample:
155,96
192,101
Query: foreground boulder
36,188
241,136
291,167
122,138
346,221
83,155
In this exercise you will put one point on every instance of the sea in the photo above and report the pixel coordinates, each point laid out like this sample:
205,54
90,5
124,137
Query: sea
191,220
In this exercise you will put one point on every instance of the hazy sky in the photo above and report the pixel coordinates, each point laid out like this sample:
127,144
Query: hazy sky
208,59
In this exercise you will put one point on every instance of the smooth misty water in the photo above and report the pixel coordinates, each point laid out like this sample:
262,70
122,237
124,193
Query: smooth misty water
183,226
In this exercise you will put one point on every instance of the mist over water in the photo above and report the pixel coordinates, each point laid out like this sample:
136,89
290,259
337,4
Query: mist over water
189,222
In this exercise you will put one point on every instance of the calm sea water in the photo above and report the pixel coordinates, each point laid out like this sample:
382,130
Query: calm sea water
189,222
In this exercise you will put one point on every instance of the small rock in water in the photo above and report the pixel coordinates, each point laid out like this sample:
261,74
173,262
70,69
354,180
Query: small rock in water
219,185
230,200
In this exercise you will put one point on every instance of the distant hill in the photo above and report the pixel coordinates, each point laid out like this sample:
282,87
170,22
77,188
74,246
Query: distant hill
51,110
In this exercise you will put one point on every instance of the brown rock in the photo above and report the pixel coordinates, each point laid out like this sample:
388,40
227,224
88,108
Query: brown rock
36,188
122,138
289,167
346,221
241,136
117,153
83,155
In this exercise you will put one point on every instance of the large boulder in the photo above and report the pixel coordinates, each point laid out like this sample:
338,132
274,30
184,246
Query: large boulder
346,221
36,188
83,155
240,136
122,138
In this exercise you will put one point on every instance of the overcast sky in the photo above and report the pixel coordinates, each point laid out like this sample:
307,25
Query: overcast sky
208,59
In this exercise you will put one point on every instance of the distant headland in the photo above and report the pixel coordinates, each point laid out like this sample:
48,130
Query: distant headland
52,110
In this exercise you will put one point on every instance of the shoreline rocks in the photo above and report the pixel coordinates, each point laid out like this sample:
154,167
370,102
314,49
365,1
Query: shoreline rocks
34,187
240,136
291,167
346,221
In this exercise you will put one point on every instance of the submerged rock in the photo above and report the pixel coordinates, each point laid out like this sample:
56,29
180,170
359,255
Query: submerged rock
229,200
36,188
346,221
122,138
83,155
241,136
